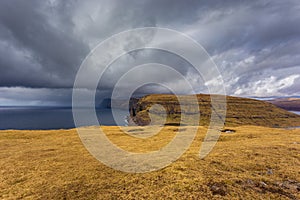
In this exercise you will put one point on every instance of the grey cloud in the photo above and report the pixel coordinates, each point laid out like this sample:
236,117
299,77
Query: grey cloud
35,96
42,43
46,51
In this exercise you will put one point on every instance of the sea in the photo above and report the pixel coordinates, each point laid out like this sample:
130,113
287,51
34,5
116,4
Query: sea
297,112
47,118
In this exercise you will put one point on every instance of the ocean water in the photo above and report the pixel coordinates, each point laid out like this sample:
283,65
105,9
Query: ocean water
297,112
44,118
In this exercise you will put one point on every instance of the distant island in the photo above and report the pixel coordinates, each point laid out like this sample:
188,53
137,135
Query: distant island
287,103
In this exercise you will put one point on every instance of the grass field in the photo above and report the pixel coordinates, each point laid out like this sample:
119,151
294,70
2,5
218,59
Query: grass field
251,163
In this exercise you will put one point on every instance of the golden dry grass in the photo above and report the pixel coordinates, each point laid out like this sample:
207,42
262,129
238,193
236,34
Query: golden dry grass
252,163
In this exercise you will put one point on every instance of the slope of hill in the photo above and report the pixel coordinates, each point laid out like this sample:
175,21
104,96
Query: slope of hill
240,111
252,163
287,103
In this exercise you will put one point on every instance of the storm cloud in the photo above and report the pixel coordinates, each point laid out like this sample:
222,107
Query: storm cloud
255,44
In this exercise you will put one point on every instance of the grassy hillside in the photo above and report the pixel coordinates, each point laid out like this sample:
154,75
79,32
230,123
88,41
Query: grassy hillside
240,111
251,163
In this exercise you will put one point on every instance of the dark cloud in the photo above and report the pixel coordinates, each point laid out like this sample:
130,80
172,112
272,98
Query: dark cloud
36,51
254,43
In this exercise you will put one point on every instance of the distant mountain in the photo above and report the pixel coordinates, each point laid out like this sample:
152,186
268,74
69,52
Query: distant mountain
287,103
240,111
117,103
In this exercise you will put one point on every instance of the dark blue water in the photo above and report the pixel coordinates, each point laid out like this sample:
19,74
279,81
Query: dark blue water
37,118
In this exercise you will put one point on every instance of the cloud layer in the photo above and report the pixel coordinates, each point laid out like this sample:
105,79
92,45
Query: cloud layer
255,44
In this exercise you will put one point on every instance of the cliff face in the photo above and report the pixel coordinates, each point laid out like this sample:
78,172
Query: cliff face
240,111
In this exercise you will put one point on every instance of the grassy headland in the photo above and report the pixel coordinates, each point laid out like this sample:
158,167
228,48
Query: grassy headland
239,111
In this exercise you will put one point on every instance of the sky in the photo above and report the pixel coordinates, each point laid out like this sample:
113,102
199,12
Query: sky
255,44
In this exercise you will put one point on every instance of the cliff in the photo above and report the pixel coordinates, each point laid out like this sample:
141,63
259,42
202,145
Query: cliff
240,111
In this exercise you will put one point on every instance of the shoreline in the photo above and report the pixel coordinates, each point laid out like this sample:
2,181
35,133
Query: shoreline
104,126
